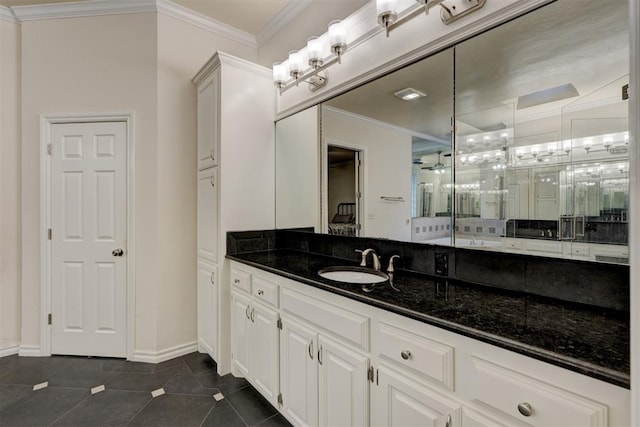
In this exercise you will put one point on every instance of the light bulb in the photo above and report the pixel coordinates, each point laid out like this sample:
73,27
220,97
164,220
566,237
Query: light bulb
314,51
280,73
295,64
337,37
386,12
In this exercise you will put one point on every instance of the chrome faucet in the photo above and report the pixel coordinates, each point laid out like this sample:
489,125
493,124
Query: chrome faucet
390,269
376,258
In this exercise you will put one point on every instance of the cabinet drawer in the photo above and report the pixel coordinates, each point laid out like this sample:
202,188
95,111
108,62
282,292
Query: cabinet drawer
241,280
420,354
336,320
517,395
265,290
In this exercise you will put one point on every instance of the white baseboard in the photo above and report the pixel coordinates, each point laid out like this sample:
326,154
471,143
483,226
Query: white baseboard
166,354
30,351
9,350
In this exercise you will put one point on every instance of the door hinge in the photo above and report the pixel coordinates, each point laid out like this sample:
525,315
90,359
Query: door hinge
49,319
370,373
280,398
358,195
49,234
279,324
49,149
358,226
625,92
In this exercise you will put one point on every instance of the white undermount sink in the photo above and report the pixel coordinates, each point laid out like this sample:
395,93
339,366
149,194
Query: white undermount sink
355,275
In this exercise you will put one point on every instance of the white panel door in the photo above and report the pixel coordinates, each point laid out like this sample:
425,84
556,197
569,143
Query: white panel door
399,401
208,215
343,386
88,247
240,321
265,351
208,121
207,309
299,373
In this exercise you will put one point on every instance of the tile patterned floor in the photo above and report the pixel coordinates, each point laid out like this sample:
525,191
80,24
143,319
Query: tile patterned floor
189,382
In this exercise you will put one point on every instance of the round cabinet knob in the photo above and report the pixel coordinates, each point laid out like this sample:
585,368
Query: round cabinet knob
406,354
236,281
260,292
117,252
525,409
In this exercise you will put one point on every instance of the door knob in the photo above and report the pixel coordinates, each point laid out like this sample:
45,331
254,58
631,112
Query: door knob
117,252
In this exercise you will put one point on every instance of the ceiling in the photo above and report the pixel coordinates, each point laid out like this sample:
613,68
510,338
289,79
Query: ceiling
251,16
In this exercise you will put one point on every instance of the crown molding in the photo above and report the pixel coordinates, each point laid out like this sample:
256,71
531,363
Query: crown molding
189,16
82,9
7,15
116,7
285,16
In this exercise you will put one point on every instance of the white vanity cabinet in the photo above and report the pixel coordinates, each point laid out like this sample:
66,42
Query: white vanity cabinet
235,150
255,352
207,299
324,382
345,363
398,400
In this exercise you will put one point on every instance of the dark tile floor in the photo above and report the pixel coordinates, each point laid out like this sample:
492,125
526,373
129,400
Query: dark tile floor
190,383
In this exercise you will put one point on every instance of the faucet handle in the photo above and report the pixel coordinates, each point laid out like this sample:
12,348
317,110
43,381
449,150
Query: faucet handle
390,269
363,262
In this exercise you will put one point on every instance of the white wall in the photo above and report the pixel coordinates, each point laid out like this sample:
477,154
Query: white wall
9,187
92,65
387,170
182,50
297,171
142,63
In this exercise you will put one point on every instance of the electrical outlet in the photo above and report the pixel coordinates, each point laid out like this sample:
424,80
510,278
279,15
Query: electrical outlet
442,263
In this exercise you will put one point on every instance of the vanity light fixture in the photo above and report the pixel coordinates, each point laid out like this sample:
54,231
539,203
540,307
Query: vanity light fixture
451,10
410,94
286,76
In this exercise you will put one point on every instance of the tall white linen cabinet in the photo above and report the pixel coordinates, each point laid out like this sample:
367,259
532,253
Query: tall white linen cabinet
235,182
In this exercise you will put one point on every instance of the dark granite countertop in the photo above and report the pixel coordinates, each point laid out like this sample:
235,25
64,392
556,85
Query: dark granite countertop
584,339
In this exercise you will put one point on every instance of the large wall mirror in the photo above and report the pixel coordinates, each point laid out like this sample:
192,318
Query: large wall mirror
514,140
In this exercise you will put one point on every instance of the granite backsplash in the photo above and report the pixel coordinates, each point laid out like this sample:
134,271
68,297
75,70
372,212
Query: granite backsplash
585,282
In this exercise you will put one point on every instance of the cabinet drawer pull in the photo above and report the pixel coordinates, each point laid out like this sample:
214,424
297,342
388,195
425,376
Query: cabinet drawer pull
406,354
311,350
213,184
246,312
448,423
525,409
260,292
253,312
213,282
212,155
320,355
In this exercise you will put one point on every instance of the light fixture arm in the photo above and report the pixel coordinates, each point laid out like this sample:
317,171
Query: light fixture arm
308,77
452,10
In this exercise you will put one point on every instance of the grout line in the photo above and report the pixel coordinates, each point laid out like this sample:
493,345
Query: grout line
70,409
236,411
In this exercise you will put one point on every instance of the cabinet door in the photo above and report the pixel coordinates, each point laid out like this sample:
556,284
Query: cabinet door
208,214
343,385
208,121
299,373
207,308
240,322
400,401
264,351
